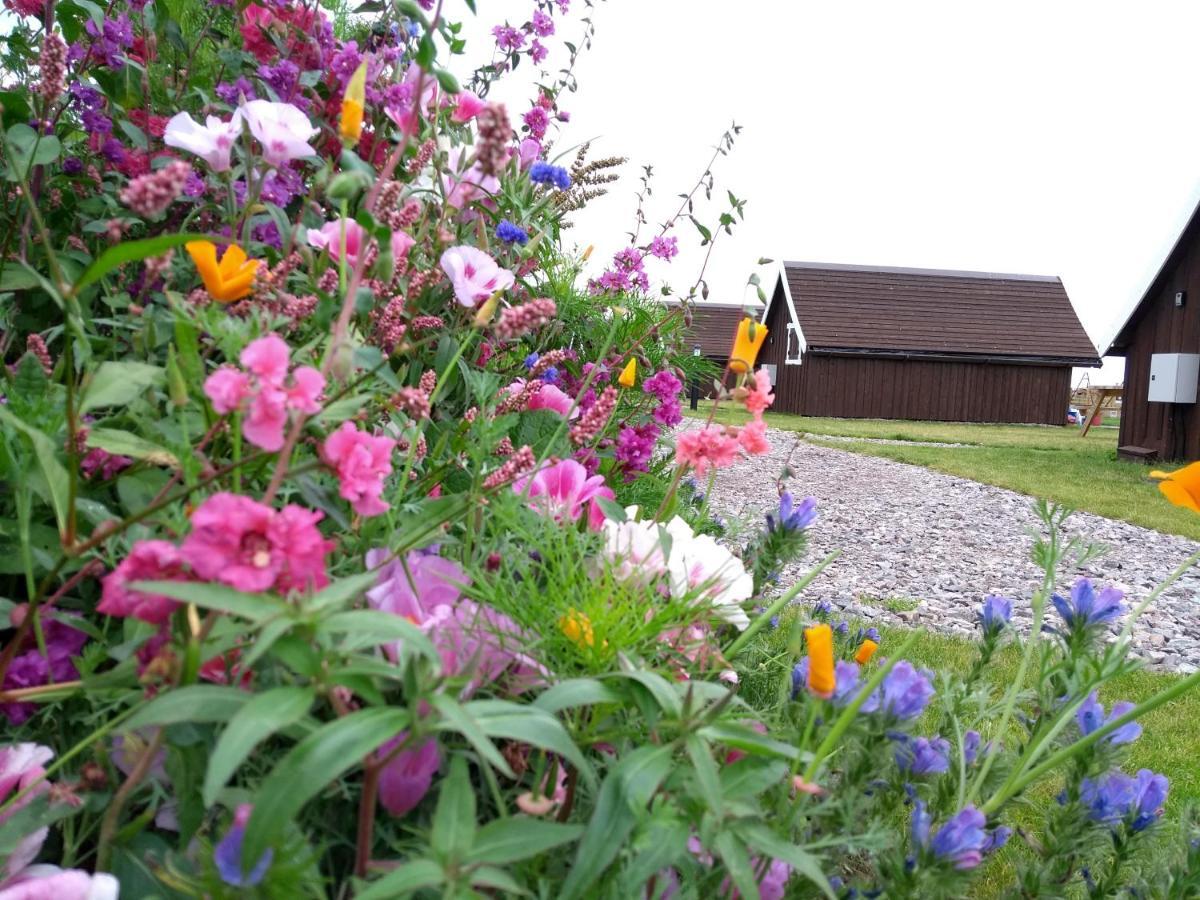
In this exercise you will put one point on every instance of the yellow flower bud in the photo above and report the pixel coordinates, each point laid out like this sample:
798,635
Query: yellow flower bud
746,344
353,103
628,377
578,628
484,313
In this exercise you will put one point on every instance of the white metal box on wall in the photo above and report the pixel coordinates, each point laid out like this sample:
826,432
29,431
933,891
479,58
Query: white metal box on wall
1174,377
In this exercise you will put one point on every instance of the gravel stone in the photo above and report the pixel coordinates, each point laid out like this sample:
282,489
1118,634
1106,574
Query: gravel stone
909,533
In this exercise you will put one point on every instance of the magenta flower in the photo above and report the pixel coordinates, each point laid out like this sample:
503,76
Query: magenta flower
213,141
282,129
402,104
20,766
664,247
362,462
329,237
474,275
467,107
227,388
147,561
561,490
402,242
551,397
251,547
407,777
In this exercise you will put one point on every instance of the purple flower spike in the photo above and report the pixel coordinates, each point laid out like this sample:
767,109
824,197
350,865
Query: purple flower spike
963,839
905,692
923,756
796,517
1090,716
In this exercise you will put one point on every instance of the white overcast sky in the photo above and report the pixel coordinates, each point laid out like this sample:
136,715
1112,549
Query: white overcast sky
1056,138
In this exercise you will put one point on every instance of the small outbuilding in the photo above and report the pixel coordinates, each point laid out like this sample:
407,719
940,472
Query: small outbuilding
713,326
927,344
1160,340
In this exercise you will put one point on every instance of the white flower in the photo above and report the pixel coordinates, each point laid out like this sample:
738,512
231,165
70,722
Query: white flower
211,141
282,129
697,563
634,548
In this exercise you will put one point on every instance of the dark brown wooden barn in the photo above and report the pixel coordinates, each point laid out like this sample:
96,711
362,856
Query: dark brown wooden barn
713,326
861,342
1166,320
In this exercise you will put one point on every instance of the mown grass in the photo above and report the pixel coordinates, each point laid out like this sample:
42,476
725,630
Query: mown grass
1040,461
1168,743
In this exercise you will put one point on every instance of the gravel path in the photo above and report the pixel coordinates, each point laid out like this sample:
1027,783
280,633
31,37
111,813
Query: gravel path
911,537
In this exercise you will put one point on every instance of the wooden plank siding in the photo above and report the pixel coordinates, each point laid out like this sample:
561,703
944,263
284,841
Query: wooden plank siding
1157,325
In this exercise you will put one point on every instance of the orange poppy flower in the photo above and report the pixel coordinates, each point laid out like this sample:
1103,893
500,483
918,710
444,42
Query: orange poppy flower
821,677
230,279
1181,487
746,344
865,652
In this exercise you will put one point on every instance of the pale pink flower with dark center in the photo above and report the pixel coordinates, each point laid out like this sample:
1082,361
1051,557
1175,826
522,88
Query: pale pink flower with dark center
147,561
705,448
561,490
362,462
474,275
550,397
329,237
53,883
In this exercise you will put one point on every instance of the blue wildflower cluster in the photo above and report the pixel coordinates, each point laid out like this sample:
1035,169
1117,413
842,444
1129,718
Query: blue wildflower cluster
542,172
511,233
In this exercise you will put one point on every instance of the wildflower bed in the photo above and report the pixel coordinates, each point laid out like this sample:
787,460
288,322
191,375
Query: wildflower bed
349,550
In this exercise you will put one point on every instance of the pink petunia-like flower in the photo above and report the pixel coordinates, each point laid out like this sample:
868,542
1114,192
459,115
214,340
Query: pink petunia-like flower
283,130
213,141
53,883
760,396
267,358
266,418
147,561
753,438
407,777
528,152
21,765
551,397
251,547
329,237
467,107
474,275
472,184
705,448
561,490
227,388
362,462
402,242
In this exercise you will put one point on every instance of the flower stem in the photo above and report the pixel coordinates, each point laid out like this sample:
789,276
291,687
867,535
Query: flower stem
112,816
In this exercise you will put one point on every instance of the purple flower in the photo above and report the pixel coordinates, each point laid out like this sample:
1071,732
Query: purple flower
542,172
283,78
923,756
1090,716
531,360
30,668
995,615
1150,793
114,151
664,247
72,165
1086,608
962,841
663,385
822,608
794,517
508,38
845,675
1116,797
904,694
542,24
511,233
194,186
537,120
228,853
635,446
232,93
111,39
96,122
538,52
85,96
406,778
971,747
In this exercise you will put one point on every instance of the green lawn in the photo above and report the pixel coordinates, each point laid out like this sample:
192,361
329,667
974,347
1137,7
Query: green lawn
1041,461
1170,734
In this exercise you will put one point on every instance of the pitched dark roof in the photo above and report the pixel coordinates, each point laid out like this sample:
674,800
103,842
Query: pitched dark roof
714,325
937,312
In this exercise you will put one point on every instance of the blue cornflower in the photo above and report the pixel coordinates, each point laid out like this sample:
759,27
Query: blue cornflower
542,172
511,233
793,517
531,359
923,756
905,692
1090,716
227,855
550,375
995,614
1086,608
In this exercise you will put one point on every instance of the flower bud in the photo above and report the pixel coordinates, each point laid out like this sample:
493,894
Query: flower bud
176,383
484,314
346,186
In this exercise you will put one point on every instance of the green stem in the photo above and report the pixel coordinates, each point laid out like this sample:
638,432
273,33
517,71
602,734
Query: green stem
742,640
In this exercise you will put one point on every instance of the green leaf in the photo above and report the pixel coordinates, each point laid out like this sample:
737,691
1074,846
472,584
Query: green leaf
737,863
319,759
135,134
341,592
664,694
426,52
57,482
256,608
500,718
576,692
705,772
516,838
266,714
15,279
491,877
124,443
747,739
453,830
750,776
408,878
628,787
769,844
372,628
118,383
194,703
26,149
447,81
458,719
132,251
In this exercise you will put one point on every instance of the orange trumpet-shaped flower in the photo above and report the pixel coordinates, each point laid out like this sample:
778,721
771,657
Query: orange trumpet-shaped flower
628,375
353,102
865,652
578,628
821,678
746,344
1181,487
230,279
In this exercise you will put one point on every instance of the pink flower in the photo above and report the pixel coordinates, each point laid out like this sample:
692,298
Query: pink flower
362,462
305,391
20,766
527,152
753,438
226,388
53,883
402,242
147,561
401,103
551,397
706,447
267,358
561,490
760,396
213,141
406,778
469,185
329,237
474,275
467,107
249,546
267,417
282,129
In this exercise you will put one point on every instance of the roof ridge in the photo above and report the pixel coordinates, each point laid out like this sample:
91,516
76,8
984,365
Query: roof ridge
904,270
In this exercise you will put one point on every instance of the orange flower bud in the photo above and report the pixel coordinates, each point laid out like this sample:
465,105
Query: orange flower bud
821,678
628,377
865,652
746,344
353,101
